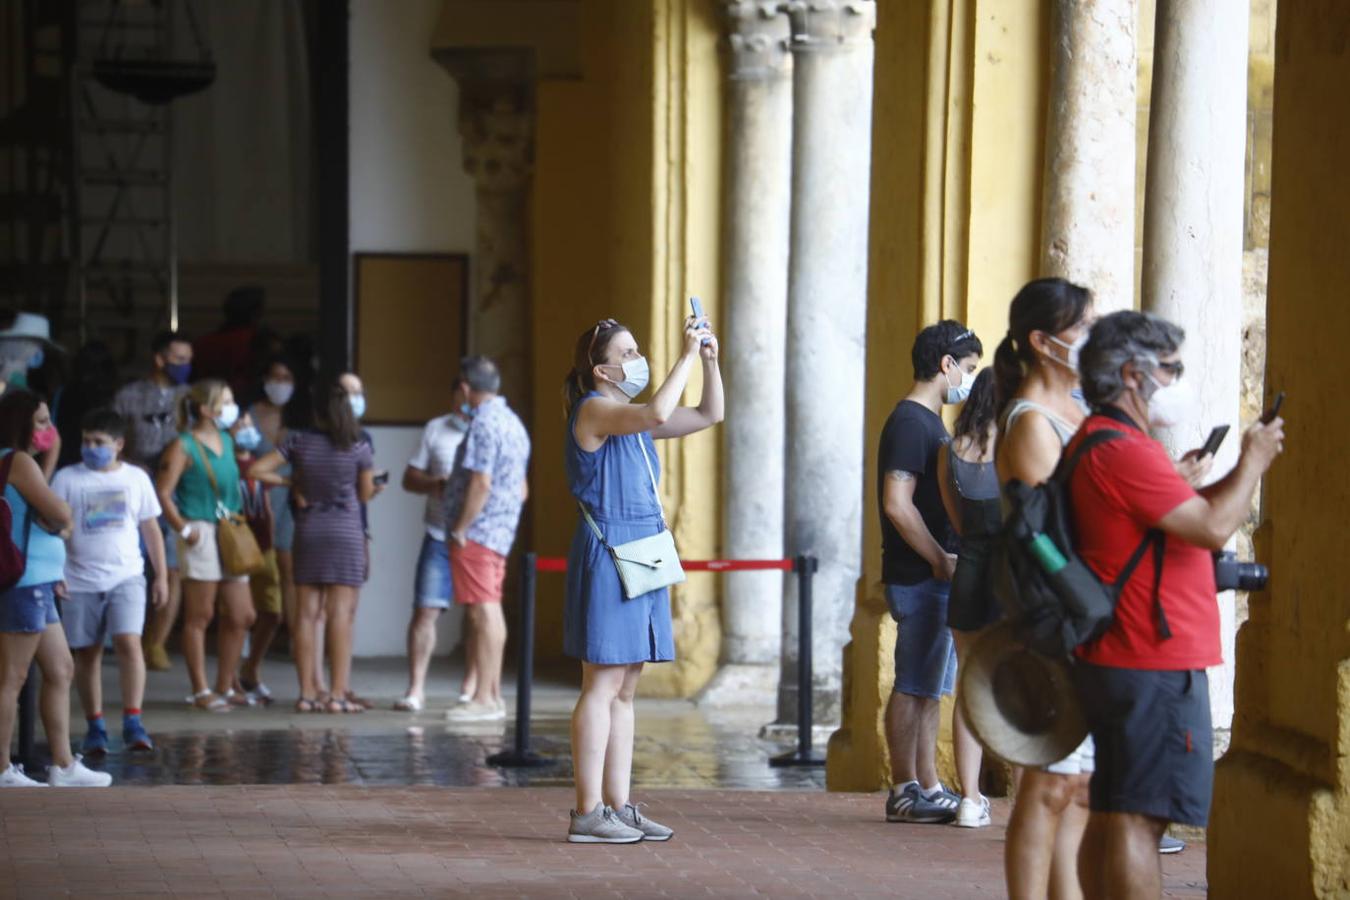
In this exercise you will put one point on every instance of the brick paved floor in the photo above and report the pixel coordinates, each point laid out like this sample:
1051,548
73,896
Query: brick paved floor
314,840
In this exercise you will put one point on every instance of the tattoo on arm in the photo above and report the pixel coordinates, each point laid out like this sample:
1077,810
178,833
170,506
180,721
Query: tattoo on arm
900,475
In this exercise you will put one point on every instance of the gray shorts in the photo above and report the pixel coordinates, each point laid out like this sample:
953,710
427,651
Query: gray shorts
88,618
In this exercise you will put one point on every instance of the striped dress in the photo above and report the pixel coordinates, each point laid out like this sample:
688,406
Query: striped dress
330,542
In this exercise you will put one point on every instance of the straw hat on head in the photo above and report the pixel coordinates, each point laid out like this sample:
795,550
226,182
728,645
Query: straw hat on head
1020,705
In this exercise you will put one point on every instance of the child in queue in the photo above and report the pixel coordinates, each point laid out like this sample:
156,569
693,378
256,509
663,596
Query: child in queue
264,585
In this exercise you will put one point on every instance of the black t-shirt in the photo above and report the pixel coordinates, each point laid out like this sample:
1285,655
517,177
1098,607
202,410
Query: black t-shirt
910,442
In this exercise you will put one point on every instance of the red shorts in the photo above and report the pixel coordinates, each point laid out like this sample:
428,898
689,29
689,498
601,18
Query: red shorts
477,573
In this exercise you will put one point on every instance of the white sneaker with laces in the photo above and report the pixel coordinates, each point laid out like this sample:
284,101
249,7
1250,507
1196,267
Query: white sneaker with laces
14,777
972,813
76,775
472,711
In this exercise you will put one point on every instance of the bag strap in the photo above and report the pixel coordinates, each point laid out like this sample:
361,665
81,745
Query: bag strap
1064,471
599,535
5,465
651,473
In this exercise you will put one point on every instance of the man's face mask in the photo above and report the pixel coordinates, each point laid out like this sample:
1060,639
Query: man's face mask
1170,405
959,392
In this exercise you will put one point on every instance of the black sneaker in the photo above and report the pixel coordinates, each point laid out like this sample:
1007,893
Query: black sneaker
912,805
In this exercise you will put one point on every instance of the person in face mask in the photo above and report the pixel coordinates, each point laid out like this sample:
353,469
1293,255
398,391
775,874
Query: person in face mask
612,470
1149,667
918,559
198,478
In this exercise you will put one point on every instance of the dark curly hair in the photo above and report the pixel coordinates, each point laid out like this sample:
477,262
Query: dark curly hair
947,338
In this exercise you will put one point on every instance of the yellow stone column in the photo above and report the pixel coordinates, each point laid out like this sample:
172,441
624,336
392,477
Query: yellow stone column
958,135
1280,825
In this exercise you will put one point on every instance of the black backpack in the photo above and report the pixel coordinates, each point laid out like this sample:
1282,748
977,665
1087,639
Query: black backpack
1055,612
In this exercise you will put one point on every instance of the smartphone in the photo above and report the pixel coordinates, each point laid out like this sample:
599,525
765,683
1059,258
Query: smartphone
696,307
1270,414
1214,440
382,478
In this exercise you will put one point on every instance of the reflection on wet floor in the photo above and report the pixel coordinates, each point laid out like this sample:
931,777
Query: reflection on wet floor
678,745
432,755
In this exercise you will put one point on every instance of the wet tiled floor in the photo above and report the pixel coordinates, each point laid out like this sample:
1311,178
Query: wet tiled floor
678,745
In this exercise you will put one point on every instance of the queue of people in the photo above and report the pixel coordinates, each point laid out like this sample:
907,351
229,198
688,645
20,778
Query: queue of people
1094,822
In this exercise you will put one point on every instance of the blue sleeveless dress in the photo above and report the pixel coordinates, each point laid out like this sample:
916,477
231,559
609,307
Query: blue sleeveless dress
600,624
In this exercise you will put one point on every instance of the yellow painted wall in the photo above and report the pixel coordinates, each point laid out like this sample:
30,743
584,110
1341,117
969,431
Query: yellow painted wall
624,224
1290,757
958,120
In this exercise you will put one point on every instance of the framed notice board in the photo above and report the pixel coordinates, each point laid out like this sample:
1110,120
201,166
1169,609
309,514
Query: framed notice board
411,330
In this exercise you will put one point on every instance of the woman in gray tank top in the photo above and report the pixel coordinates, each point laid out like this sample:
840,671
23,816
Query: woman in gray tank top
1036,368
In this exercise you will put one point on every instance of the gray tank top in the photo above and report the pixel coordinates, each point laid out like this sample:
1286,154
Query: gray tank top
1063,429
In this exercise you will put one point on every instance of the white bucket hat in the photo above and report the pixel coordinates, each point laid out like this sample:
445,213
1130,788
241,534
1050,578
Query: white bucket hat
31,326
1020,705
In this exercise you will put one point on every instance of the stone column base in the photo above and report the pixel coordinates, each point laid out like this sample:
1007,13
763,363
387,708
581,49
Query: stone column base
741,684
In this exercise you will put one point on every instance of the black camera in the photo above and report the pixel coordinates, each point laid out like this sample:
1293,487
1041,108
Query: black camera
1231,574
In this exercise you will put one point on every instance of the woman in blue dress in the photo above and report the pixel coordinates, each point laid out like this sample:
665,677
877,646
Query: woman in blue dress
612,470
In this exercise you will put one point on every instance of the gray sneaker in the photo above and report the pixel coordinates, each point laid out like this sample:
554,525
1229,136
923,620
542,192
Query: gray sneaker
912,805
631,815
601,826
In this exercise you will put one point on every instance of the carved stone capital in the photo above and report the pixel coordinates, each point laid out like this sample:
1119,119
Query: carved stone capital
757,39
498,142
830,24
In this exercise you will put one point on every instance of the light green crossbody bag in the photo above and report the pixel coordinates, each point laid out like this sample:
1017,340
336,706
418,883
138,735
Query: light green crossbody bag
649,563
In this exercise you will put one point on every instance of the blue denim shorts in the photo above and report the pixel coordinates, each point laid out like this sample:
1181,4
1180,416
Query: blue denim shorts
925,656
431,586
29,609
170,545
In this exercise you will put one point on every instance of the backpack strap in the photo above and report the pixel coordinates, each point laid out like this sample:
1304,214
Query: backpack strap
6,464
1154,538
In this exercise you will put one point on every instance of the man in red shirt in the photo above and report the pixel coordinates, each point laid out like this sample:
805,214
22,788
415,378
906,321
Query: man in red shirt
1142,683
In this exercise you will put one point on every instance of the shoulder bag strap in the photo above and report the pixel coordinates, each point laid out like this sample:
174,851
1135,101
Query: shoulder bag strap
651,473
599,535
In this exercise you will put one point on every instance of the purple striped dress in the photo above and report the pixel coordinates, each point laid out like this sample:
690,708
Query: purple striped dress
330,541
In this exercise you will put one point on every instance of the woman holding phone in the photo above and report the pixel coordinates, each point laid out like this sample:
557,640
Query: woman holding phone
612,470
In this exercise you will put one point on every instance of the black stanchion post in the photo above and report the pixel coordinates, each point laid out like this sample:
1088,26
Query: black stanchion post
805,567
520,756
27,720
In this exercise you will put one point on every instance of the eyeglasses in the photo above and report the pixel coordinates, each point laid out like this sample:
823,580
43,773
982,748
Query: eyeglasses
595,335
1175,369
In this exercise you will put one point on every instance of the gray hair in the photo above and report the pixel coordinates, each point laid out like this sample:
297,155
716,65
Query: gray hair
1120,338
480,374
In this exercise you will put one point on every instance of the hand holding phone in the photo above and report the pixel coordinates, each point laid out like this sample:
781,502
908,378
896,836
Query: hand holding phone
1214,441
382,478
1274,411
696,307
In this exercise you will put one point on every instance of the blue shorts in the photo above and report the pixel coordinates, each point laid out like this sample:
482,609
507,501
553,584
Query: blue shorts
29,609
432,588
925,656
1154,738
90,617
170,545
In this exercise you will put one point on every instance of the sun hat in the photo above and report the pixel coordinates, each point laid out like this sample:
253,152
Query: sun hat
1019,704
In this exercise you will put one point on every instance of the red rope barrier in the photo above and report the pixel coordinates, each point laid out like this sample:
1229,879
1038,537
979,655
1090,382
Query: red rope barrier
559,564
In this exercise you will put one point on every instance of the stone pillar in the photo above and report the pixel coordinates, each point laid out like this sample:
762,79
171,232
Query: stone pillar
1090,149
1281,812
1193,227
755,234
497,126
826,345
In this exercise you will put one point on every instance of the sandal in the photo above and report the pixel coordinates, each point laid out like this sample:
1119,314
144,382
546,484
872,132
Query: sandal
209,701
339,705
353,697
234,698
409,703
258,694
307,705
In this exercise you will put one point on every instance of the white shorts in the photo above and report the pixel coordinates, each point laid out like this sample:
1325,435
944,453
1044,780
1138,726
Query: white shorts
202,561
1082,761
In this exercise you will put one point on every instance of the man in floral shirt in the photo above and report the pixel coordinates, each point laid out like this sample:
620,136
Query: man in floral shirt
483,499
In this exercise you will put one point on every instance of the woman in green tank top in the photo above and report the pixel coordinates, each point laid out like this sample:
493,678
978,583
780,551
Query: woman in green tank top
198,481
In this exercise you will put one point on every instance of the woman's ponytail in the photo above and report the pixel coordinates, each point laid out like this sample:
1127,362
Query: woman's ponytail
1007,372
1049,305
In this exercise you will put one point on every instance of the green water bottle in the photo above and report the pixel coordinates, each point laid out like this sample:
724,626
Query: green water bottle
1047,554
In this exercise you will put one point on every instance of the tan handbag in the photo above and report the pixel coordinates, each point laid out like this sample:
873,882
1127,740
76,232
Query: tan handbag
239,551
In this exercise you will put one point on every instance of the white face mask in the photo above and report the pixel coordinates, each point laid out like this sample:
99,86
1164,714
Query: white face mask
229,414
636,374
1071,351
279,392
961,391
1171,404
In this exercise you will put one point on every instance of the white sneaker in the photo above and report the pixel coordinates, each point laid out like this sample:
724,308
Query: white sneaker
972,813
76,775
475,712
14,777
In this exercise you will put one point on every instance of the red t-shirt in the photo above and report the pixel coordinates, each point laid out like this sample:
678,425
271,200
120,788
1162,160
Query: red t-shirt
1120,490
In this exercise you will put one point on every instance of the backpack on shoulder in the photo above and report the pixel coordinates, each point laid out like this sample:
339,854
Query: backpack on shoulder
1053,598
12,560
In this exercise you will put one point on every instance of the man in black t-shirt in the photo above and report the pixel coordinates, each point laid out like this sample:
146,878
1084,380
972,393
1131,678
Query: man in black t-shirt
918,557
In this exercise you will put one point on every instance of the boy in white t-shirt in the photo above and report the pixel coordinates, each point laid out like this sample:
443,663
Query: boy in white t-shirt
115,508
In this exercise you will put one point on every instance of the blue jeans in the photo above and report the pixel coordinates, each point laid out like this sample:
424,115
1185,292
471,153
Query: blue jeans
432,588
925,657
29,609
